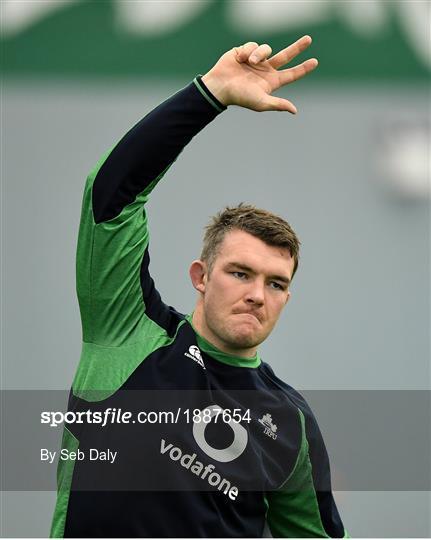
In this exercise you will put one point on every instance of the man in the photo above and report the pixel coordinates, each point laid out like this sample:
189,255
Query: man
244,447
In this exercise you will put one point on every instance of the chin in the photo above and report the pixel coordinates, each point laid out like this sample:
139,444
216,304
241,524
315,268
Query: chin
245,339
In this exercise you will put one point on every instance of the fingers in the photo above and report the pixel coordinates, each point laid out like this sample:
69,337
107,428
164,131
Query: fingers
243,52
260,54
253,53
289,75
287,54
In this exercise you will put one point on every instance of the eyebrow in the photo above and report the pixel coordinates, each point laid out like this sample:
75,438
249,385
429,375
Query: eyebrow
246,268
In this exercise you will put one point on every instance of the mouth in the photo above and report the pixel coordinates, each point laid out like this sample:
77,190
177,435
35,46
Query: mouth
251,314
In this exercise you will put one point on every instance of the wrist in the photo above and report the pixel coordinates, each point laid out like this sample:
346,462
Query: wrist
216,87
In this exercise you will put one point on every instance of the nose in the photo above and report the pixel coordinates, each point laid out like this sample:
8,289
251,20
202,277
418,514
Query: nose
255,293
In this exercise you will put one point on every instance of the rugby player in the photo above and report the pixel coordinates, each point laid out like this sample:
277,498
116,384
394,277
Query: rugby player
265,461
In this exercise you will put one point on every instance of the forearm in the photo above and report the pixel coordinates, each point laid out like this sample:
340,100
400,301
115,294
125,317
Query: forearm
146,151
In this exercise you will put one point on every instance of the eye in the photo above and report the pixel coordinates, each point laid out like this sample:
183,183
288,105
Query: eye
277,286
239,275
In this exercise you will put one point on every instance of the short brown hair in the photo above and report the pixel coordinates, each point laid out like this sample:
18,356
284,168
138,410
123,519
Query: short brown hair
268,227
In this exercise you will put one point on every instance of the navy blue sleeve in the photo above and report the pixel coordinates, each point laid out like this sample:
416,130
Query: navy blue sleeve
148,149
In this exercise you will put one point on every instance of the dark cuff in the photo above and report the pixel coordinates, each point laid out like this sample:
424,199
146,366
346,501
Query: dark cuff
203,89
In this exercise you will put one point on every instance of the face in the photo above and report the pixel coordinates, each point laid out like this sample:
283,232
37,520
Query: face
243,296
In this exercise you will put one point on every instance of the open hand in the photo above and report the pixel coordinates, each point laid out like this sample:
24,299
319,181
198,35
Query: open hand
246,76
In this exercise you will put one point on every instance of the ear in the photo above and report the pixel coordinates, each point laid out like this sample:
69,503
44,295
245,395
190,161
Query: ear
198,275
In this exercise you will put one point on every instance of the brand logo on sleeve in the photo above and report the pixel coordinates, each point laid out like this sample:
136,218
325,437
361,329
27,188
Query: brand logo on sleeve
195,354
270,428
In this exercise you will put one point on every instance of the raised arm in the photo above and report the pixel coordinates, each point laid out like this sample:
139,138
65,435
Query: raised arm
120,307
114,288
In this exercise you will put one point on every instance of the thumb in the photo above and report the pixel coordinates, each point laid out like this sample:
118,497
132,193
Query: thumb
273,103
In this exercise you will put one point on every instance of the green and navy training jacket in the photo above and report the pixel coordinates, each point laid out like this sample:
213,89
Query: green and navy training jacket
265,464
